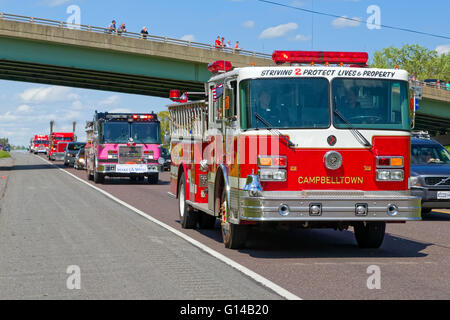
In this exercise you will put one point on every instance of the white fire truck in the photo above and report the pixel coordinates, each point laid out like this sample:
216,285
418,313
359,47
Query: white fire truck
300,143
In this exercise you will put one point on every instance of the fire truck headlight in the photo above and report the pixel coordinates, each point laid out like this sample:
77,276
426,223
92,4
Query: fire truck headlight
390,175
272,175
397,175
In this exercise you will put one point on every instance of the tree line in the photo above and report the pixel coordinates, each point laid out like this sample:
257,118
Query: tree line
417,60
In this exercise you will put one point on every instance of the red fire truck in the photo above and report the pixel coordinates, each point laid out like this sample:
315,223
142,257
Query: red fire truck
301,143
39,144
58,144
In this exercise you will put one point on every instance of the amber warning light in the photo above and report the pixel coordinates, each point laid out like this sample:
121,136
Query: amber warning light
321,57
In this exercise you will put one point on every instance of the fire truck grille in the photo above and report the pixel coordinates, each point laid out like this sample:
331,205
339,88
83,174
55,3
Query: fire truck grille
130,154
433,181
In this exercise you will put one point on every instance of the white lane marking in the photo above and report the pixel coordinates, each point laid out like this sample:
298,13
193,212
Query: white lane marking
253,275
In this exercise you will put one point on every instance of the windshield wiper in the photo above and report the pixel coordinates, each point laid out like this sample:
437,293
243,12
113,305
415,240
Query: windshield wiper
270,128
358,135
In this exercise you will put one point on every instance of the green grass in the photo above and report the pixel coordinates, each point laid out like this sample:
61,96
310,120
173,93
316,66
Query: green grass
447,147
4,154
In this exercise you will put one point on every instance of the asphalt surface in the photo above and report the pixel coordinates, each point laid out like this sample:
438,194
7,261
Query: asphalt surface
50,222
312,264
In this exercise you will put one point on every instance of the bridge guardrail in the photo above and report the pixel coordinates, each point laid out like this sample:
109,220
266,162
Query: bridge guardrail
82,27
442,86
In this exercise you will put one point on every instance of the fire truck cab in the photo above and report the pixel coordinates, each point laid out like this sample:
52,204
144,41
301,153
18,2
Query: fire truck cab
302,144
39,144
58,144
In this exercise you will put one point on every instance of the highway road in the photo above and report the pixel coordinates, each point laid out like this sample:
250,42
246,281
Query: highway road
50,220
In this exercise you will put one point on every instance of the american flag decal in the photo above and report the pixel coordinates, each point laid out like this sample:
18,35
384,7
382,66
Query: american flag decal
217,92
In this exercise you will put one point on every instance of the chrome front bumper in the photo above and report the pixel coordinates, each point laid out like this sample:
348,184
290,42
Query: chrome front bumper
335,205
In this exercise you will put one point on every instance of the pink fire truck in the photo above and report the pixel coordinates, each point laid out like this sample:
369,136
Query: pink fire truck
123,145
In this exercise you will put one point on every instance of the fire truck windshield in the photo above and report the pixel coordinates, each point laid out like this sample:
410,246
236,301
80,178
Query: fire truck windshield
370,104
145,132
40,142
285,103
140,132
63,138
116,132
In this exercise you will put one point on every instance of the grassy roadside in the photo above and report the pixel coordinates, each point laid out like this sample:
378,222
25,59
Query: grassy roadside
448,148
4,154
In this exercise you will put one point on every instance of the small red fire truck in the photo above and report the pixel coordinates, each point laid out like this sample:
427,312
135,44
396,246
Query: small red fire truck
39,144
300,143
58,143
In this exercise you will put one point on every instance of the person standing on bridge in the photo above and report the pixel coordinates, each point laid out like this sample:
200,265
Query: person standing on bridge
144,33
112,27
122,29
218,43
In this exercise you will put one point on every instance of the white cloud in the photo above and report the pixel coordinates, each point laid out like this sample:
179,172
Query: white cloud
8,116
111,100
48,94
248,24
278,31
188,37
345,22
444,48
55,3
120,110
23,108
301,37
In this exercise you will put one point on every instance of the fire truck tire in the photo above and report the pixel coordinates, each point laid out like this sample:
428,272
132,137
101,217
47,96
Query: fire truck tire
370,235
98,177
89,175
188,217
206,221
234,235
153,178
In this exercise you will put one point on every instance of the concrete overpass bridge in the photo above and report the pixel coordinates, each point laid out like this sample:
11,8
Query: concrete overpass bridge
54,52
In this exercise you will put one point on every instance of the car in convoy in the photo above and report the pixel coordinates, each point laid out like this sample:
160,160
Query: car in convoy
71,152
80,159
430,173
165,154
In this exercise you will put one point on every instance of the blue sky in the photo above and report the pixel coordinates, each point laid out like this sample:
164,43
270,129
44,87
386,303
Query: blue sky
27,108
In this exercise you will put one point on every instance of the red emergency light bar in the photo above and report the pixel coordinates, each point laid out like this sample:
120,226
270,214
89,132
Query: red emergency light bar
144,117
320,57
176,96
220,66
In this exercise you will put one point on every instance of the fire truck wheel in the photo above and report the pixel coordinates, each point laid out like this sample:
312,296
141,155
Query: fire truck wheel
98,177
188,217
234,235
207,221
89,175
153,178
370,235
